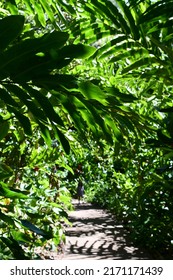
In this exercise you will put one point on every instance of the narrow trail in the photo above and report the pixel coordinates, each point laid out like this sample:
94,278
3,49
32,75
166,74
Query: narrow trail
95,235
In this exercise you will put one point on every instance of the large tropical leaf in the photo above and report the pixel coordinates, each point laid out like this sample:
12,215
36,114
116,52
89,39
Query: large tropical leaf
22,61
11,25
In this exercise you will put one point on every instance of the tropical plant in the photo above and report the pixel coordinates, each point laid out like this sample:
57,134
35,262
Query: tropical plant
92,79
134,55
35,100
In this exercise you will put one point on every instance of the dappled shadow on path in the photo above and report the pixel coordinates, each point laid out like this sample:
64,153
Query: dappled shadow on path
95,235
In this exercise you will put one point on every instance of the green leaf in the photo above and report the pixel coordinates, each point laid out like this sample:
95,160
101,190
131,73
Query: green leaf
39,12
70,109
86,115
114,128
67,167
64,142
164,9
35,215
10,29
125,98
57,82
35,229
6,192
139,63
162,46
130,19
19,61
8,220
91,91
104,9
4,127
20,236
68,7
5,171
45,105
136,53
120,48
90,31
60,211
124,121
76,51
25,122
48,10
99,119
119,39
27,100
6,97
118,17
164,138
45,133
11,4
29,6
15,248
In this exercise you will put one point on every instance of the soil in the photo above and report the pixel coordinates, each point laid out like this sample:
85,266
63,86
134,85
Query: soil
95,235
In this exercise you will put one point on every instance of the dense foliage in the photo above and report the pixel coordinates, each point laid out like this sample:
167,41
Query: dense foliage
85,83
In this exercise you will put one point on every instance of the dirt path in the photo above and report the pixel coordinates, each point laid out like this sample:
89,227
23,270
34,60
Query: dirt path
95,235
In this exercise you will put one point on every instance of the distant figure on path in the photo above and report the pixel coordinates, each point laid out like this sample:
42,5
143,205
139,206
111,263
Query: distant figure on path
80,191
